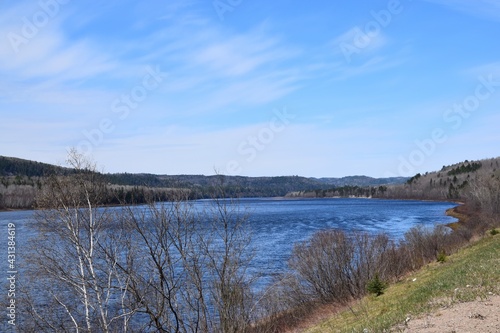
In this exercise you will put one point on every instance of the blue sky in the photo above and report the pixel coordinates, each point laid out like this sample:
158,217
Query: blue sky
257,88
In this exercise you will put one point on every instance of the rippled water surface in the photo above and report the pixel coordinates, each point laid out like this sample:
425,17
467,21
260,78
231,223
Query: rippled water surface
276,224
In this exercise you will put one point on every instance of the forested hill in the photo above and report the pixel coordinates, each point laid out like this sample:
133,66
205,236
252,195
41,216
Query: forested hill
12,166
362,181
463,181
460,181
20,168
249,186
20,179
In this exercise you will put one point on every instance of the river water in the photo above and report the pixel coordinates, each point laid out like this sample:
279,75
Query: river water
275,225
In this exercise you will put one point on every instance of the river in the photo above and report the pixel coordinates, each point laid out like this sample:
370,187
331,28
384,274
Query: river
276,225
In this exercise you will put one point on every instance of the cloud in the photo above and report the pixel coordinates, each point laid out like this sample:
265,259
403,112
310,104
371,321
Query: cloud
375,64
253,91
71,79
226,70
223,69
240,55
354,53
50,67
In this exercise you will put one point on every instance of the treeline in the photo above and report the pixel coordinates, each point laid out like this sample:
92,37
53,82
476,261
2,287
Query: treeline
23,194
20,192
342,191
21,180
120,195
17,196
466,167
362,181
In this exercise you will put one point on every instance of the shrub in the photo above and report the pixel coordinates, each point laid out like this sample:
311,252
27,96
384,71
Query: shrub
494,232
441,257
376,286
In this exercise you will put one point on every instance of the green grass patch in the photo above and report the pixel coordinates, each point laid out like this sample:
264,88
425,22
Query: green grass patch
470,274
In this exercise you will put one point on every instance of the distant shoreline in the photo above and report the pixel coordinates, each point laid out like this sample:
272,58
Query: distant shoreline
280,198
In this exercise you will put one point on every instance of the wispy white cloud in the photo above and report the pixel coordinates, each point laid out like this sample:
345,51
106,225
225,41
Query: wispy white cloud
217,70
226,70
253,91
73,62
375,64
343,58
48,67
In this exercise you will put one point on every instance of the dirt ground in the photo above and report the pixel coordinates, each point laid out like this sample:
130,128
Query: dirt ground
470,317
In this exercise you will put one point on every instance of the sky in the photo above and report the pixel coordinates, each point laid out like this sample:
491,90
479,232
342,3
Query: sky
254,88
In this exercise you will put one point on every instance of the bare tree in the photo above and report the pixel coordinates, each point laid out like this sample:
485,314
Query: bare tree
74,283
17,196
188,272
229,254
160,267
485,194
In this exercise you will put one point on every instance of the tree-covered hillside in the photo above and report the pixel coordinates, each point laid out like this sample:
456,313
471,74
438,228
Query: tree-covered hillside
452,182
464,181
11,166
20,180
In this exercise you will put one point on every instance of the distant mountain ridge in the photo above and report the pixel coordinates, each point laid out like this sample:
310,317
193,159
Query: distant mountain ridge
16,167
363,181
20,181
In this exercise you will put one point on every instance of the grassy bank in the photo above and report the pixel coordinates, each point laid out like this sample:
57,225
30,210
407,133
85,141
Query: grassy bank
471,273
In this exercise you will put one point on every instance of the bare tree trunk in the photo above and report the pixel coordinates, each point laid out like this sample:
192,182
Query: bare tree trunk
192,275
80,281
161,267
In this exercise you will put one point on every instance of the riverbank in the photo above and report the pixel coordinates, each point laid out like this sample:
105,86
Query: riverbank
16,209
469,275
461,293
459,212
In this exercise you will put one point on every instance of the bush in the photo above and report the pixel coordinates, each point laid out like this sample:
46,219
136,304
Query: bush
376,286
334,266
426,244
441,257
494,232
